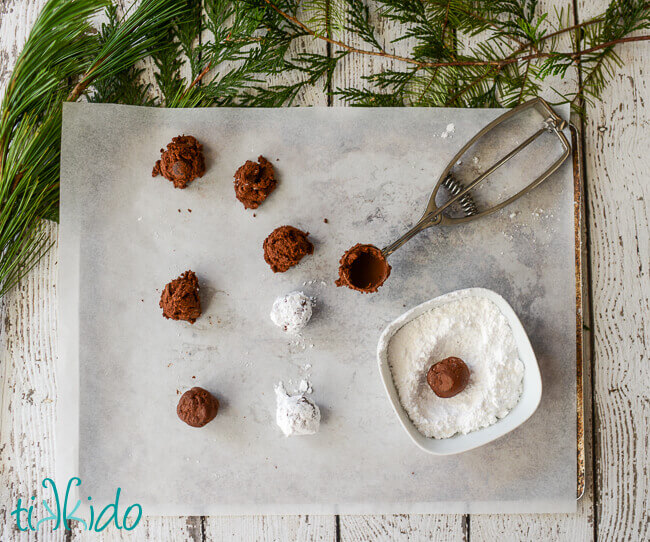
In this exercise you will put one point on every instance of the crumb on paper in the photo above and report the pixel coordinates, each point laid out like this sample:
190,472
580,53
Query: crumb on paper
448,131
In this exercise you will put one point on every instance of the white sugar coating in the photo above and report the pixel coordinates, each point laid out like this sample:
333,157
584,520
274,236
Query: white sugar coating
292,312
295,414
471,328
450,130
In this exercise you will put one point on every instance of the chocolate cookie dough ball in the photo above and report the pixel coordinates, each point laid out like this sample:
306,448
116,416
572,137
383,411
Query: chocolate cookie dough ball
363,268
180,298
285,247
448,377
254,182
182,162
197,407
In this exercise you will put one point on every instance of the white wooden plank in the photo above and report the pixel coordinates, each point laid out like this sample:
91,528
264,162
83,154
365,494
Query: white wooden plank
619,225
163,529
488,527
16,19
28,388
270,528
561,527
27,347
28,354
170,528
354,66
436,528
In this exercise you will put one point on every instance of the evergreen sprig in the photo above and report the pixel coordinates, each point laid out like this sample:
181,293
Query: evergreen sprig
61,59
460,53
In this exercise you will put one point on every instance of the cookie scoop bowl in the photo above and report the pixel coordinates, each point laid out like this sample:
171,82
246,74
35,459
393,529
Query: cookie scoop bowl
524,409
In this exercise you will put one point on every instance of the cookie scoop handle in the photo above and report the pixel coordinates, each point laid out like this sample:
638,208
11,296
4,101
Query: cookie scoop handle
424,223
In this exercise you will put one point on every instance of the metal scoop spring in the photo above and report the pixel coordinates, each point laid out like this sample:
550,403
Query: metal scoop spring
466,202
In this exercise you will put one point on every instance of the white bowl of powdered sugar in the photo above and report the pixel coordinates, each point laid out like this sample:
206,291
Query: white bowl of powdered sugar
481,328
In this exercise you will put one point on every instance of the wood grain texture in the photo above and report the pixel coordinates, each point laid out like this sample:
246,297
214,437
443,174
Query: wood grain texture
28,344
16,19
351,69
163,529
28,358
270,528
359,528
387,528
616,140
570,527
28,387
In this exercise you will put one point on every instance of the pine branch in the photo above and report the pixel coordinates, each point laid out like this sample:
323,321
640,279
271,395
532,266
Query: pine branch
125,87
61,48
468,62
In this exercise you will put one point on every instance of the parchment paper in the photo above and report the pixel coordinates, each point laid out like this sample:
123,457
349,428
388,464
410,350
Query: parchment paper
124,235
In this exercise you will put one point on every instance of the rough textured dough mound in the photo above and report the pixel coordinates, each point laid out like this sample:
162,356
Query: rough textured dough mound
180,298
182,162
285,247
254,182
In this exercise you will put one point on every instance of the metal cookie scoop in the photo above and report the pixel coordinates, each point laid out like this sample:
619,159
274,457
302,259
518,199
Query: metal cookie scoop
435,214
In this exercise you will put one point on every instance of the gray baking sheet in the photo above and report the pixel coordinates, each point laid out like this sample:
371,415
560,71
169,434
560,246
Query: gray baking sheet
125,234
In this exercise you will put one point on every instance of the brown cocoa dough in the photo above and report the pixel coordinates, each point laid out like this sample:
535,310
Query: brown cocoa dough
285,247
182,162
448,377
254,182
197,407
363,268
180,298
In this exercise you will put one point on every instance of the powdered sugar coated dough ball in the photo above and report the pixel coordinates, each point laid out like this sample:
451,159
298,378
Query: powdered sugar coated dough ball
292,312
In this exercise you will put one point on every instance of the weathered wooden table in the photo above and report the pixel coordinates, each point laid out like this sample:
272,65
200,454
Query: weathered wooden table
617,295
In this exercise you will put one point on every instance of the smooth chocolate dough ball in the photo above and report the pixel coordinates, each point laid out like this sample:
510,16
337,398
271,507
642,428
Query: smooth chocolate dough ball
448,377
197,407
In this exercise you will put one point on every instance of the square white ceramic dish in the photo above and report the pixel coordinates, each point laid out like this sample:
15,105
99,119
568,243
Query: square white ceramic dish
530,397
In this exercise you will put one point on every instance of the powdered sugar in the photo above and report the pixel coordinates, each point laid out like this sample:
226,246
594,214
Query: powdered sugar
449,130
292,312
296,414
473,329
